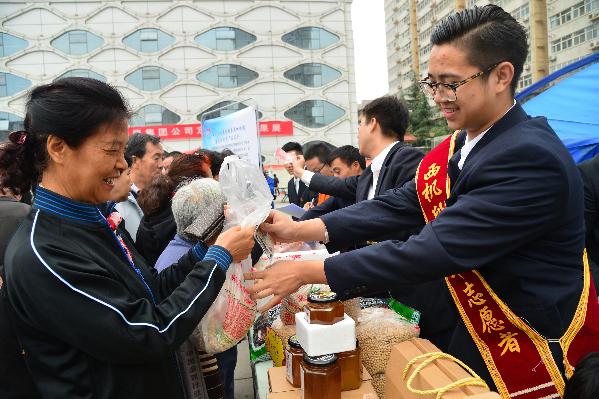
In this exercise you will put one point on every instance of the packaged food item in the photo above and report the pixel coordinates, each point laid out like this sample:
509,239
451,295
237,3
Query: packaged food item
378,330
257,334
324,308
350,363
352,308
276,341
295,302
294,355
320,377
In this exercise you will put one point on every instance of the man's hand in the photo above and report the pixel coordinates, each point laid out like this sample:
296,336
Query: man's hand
309,205
239,242
280,227
284,278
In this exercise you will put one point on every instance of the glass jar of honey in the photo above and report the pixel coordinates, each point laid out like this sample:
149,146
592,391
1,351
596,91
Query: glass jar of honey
350,363
320,377
294,354
324,308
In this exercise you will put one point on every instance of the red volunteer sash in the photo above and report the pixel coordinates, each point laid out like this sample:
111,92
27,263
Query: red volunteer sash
517,357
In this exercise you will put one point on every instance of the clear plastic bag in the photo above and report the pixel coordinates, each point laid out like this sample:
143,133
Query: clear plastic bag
233,312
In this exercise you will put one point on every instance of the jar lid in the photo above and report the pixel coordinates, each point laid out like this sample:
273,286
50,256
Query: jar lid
293,342
323,360
322,297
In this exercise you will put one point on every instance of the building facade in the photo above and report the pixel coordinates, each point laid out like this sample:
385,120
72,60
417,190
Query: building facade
174,60
566,31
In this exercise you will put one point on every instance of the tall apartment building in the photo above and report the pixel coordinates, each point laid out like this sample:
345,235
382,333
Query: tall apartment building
174,60
566,31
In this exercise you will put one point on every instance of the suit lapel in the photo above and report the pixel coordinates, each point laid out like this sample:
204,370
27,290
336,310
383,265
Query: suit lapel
383,171
364,184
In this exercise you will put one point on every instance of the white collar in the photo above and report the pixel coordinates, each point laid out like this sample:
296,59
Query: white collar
134,188
470,144
377,162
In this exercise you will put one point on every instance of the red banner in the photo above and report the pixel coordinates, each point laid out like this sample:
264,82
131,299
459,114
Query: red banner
194,130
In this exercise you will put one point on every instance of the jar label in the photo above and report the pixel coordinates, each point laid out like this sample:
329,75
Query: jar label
289,363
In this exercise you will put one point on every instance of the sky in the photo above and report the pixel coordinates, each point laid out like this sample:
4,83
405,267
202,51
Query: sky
370,51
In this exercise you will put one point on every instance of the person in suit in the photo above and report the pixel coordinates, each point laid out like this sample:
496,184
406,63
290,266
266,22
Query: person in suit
315,156
589,170
345,161
382,124
513,214
297,191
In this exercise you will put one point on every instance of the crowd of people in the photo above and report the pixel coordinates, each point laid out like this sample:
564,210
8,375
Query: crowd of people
108,270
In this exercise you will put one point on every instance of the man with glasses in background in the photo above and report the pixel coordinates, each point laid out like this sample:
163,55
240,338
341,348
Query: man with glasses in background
500,204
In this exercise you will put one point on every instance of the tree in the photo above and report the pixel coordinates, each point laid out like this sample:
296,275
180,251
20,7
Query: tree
423,122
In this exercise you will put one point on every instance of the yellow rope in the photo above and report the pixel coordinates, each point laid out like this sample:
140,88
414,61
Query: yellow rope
431,357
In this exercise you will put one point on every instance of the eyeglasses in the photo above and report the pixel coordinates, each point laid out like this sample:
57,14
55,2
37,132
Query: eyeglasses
317,170
447,91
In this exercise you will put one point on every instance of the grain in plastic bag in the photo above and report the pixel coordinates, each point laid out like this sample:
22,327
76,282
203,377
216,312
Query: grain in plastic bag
377,331
232,314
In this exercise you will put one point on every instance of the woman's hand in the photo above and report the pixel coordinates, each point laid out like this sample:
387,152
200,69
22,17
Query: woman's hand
239,242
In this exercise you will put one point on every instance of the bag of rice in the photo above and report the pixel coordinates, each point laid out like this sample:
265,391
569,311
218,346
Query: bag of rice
377,331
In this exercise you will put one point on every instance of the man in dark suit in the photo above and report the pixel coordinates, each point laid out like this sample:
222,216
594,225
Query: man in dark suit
513,213
297,191
343,162
382,124
589,170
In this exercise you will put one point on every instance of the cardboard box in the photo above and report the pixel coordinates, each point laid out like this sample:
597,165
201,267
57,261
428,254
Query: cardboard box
438,374
280,388
320,339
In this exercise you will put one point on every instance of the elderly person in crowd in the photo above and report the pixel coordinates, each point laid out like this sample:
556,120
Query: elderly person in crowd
157,226
92,317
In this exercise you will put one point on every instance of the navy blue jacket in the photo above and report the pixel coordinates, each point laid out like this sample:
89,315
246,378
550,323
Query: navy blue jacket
515,213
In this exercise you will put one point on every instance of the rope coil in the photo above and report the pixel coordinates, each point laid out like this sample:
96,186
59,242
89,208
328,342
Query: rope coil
474,380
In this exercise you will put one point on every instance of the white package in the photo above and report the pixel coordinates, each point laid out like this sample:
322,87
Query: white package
320,339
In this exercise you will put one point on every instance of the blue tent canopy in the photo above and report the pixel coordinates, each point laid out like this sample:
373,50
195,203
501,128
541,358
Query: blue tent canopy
571,105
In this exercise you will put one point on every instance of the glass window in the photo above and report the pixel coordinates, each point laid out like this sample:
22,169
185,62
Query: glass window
154,114
77,42
310,38
227,76
314,113
82,73
312,74
9,123
148,40
10,44
11,84
225,111
225,38
151,78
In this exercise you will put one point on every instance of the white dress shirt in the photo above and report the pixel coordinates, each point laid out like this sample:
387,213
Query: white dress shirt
376,165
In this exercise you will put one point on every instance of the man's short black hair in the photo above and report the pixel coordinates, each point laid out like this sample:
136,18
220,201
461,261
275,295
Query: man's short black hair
488,34
293,146
584,384
391,113
348,154
136,146
320,150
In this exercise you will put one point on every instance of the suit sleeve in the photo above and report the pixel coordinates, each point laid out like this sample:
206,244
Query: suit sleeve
410,159
330,185
396,210
513,200
330,205
86,306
